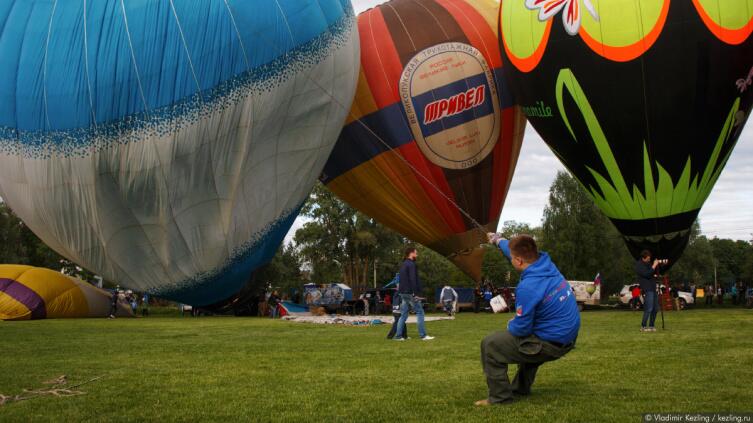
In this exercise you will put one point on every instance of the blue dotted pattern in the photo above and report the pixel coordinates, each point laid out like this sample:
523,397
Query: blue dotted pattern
82,142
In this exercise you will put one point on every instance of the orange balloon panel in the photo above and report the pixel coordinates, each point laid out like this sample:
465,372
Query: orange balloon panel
432,124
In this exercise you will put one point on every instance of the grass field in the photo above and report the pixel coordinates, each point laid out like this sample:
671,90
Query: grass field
251,369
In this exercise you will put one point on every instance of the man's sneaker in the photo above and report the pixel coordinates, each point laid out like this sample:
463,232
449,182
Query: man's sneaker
398,339
644,329
652,329
427,338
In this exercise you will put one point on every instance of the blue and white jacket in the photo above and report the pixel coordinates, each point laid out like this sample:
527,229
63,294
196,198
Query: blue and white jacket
545,304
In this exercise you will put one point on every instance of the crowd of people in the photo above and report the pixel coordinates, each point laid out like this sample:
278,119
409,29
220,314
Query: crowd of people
738,293
483,294
133,299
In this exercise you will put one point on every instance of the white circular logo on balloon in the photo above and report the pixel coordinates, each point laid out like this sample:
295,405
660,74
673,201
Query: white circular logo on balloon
450,100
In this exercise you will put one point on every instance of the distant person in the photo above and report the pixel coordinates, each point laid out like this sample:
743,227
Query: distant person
388,300
134,303
409,291
544,328
675,293
273,300
733,294
720,295
709,294
477,296
365,301
396,320
646,270
113,304
741,293
449,299
145,305
488,295
635,301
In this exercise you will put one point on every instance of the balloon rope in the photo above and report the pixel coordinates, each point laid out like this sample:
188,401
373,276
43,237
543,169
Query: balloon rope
382,141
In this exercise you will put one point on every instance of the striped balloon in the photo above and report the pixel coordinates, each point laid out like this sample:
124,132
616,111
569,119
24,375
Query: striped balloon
29,293
433,137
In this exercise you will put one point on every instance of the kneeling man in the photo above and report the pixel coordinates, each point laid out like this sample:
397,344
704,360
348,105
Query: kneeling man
544,328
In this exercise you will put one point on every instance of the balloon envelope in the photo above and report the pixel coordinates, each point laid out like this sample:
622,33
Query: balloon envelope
432,124
168,145
642,101
37,293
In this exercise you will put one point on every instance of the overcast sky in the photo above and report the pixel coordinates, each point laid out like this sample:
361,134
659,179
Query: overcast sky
727,213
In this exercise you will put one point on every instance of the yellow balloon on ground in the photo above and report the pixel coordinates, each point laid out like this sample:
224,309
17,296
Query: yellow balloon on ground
28,292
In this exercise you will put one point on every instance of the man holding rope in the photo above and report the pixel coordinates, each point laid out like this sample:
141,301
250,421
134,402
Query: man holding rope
544,328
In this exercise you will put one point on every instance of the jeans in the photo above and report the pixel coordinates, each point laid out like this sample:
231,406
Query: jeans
393,330
410,302
650,308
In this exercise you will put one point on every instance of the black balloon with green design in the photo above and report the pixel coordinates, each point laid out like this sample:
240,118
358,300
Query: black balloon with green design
642,101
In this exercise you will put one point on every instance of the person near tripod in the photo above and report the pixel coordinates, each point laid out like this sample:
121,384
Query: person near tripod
646,270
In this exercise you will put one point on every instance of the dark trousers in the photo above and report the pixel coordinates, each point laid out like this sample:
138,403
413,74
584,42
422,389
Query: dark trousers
500,349
393,330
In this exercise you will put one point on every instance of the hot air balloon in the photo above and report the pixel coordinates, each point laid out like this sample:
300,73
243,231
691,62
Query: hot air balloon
37,293
431,143
168,145
642,101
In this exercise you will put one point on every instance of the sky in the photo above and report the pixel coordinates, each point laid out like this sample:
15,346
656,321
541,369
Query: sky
727,213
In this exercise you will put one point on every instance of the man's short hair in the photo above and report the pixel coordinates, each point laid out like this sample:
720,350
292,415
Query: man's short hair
645,253
524,246
408,251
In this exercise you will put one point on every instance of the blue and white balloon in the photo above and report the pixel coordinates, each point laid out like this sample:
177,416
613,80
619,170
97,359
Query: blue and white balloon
169,144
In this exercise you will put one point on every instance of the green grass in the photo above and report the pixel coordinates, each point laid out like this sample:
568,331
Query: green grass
251,369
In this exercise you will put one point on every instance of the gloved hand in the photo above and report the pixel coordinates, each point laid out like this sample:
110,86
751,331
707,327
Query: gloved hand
494,238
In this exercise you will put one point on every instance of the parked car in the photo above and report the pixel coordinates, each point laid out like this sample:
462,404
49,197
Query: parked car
685,298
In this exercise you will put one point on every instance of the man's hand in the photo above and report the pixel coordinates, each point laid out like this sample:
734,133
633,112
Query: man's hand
494,238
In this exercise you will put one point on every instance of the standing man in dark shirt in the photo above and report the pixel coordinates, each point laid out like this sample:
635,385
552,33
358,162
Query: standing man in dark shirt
409,291
645,270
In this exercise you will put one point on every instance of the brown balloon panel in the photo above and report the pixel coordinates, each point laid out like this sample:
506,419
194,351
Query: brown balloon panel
642,101
433,137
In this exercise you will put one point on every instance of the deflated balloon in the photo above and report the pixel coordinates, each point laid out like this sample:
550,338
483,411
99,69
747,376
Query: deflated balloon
643,101
37,293
168,145
432,139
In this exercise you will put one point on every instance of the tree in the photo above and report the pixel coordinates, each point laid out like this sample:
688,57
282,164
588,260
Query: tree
342,244
19,245
696,265
283,272
11,245
580,239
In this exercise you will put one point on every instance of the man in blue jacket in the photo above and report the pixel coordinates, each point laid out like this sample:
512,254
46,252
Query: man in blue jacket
409,290
544,328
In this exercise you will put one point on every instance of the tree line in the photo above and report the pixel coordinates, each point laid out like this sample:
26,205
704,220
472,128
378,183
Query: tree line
337,243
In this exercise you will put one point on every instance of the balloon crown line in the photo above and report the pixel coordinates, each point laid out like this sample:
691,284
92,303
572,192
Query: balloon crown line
615,198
